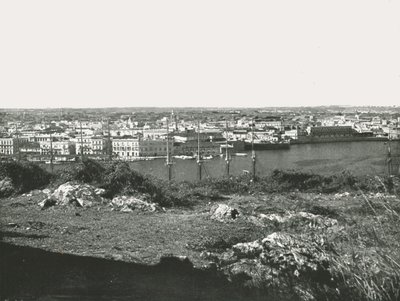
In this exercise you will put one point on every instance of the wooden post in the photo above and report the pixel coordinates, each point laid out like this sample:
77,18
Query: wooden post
168,163
253,153
199,161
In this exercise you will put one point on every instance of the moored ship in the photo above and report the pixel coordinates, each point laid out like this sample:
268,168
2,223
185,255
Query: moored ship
266,145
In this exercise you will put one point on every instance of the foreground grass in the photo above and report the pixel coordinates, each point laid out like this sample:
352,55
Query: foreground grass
363,249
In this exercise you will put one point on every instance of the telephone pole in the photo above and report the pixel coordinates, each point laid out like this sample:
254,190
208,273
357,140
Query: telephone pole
18,143
51,152
253,153
227,158
169,162
80,122
199,161
389,159
109,144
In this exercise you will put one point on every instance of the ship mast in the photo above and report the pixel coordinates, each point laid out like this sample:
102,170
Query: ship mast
253,153
51,152
389,159
109,144
169,162
18,142
199,161
80,122
227,159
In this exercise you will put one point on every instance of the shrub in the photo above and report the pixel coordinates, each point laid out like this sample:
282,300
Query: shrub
89,171
24,176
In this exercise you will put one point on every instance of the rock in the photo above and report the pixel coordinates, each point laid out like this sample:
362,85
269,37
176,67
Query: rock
309,219
273,217
126,209
249,272
222,213
81,195
46,191
46,203
6,187
130,203
278,258
248,250
341,195
99,191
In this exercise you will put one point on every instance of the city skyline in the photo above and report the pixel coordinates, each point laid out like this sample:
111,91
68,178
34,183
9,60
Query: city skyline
209,54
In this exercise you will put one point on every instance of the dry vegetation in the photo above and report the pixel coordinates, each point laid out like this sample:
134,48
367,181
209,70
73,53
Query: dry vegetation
359,255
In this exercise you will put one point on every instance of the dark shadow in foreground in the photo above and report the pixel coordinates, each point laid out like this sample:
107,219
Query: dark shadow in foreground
33,274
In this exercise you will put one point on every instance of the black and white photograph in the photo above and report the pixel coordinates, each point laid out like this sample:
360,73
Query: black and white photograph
200,150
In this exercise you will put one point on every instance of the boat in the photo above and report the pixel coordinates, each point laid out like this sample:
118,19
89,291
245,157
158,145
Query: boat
184,157
240,154
266,145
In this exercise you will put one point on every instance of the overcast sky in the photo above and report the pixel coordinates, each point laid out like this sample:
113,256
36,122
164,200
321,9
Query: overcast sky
199,53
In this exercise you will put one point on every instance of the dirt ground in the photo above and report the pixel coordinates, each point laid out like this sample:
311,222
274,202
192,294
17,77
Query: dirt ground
139,237
144,238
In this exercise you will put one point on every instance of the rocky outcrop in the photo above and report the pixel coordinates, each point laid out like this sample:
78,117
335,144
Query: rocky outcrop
70,193
279,260
224,213
306,218
130,203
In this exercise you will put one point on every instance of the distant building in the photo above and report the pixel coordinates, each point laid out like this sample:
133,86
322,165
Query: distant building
331,131
64,148
274,122
90,145
8,146
129,148
292,134
394,133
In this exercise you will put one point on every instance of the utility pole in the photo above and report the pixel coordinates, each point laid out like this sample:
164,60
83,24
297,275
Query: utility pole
169,162
199,161
227,159
80,122
109,144
51,152
18,144
253,153
389,159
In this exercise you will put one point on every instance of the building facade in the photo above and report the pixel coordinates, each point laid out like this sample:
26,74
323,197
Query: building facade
8,146
131,148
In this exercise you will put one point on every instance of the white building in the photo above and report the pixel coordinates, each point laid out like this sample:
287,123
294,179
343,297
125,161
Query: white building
90,145
64,148
292,134
8,146
130,148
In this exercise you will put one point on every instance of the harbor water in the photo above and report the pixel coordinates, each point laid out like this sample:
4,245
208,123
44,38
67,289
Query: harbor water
367,157
360,158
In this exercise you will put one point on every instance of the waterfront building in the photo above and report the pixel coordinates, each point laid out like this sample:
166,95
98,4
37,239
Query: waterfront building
292,134
394,133
63,148
131,148
269,122
90,145
331,131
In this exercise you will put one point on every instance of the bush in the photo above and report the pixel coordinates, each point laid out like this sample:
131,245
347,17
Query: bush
89,171
25,176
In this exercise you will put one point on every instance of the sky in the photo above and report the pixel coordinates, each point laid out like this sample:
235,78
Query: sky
83,53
